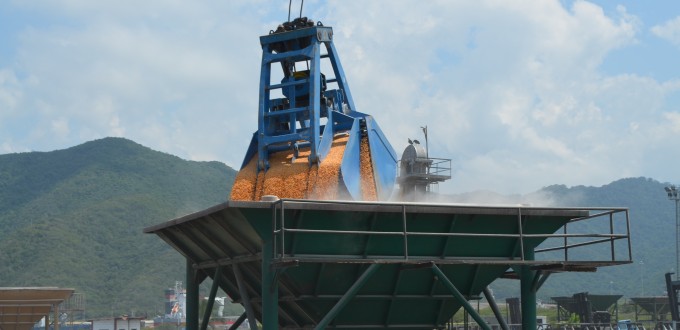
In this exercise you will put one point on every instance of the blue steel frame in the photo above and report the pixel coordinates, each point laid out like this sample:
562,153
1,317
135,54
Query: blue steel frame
301,123
295,120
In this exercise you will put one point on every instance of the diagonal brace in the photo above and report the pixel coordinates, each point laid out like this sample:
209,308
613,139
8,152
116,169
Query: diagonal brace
459,297
347,297
494,308
541,277
211,299
245,298
238,322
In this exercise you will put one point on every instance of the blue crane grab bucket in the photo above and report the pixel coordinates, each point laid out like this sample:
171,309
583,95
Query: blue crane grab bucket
303,113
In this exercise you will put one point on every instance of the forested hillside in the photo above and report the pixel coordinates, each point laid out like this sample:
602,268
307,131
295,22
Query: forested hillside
652,221
74,218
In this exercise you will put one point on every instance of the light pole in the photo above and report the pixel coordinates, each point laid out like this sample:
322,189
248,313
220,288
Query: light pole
642,276
672,192
427,148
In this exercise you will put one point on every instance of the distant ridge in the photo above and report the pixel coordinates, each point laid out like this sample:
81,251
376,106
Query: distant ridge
74,218
652,224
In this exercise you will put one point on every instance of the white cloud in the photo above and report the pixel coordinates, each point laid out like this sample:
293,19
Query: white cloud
10,92
520,79
669,31
512,91
673,121
60,128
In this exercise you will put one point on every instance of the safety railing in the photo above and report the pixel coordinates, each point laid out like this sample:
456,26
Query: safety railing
618,228
428,166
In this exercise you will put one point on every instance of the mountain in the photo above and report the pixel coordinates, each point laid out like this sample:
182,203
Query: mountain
74,218
653,229
652,226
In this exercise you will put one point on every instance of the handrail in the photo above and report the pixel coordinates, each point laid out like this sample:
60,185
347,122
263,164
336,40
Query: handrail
613,215
435,166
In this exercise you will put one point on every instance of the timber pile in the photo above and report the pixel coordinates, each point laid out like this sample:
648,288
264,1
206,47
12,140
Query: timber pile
288,178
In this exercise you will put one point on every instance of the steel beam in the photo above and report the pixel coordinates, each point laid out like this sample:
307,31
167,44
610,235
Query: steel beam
192,298
245,298
539,283
494,308
211,298
459,297
527,278
270,288
347,297
238,322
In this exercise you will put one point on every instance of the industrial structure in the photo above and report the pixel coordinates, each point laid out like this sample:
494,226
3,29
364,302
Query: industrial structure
22,307
654,310
307,240
672,289
418,172
311,141
317,264
590,308
673,194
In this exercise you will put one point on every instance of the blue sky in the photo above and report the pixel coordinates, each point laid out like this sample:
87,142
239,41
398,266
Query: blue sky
520,94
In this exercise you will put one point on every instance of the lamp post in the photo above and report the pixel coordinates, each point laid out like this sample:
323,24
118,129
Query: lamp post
642,277
427,150
673,195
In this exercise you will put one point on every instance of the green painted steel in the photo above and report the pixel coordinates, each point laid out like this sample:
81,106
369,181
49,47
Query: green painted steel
459,297
351,293
211,298
269,285
394,295
527,279
191,298
294,274
249,313
494,307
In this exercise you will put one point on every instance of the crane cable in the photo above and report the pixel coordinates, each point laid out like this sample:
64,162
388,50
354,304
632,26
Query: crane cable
290,2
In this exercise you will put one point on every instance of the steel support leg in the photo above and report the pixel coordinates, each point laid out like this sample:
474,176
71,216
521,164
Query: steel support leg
270,287
192,298
460,298
494,308
238,322
245,298
347,296
211,298
528,290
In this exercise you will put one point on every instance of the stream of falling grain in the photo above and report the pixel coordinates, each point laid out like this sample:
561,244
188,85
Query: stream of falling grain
288,178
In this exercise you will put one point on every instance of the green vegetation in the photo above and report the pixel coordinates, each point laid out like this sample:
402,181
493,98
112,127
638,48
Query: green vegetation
74,218
652,225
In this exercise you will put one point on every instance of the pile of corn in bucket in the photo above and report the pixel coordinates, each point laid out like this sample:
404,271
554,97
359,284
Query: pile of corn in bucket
295,178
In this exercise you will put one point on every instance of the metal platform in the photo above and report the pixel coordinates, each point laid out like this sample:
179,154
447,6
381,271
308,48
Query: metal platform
566,306
651,308
320,264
